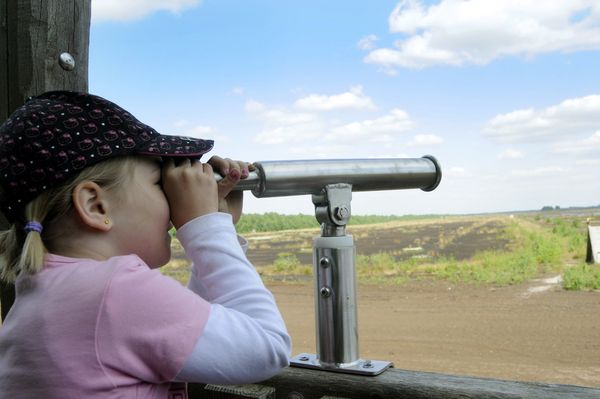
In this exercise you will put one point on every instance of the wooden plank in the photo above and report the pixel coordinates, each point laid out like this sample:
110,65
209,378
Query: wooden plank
404,384
3,61
7,291
35,33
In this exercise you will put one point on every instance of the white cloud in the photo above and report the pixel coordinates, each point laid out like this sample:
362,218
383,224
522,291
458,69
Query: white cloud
128,10
284,117
589,144
181,123
254,107
367,42
588,162
322,151
457,32
290,134
545,171
380,129
283,126
423,140
238,91
573,116
207,133
353,99
185,128
277,115
457,171
510,154
200,130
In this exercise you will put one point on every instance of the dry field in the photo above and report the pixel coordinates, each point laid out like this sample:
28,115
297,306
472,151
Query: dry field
531,331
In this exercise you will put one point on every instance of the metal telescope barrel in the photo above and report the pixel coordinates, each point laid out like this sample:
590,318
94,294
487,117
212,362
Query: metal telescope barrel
300,177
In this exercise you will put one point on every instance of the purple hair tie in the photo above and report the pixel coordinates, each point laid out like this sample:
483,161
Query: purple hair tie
34,226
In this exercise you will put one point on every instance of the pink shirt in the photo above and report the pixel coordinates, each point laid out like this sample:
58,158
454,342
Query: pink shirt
111,329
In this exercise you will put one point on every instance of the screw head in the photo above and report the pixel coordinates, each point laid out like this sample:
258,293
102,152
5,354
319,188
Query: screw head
367,364
325,292
342,212
66,61
324,261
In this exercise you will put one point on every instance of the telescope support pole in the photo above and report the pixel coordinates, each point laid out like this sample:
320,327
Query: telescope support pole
335,290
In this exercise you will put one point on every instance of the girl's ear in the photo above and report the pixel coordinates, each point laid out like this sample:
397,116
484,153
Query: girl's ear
90,202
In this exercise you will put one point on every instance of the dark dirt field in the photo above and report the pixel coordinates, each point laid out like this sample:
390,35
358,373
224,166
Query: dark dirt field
517,333
458,238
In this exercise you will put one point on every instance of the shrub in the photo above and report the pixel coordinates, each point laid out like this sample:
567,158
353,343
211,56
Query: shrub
582,277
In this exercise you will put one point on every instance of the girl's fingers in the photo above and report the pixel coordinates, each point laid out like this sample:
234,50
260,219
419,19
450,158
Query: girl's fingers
219,164
228,182
206,168
225,165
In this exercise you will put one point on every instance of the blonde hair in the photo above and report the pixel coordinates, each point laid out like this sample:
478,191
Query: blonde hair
23,252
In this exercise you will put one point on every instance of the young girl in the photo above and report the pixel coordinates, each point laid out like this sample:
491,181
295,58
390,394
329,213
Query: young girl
91,194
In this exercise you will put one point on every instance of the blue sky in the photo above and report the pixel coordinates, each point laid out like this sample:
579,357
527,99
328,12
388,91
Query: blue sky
505,94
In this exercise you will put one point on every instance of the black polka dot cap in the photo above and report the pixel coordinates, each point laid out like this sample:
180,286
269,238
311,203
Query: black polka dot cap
52,137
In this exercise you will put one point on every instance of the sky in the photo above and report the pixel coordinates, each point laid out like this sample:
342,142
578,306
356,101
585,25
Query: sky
505,94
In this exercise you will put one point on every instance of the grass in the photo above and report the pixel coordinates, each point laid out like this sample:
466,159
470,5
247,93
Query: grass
286,264
534,251
537,249
538,246
582,277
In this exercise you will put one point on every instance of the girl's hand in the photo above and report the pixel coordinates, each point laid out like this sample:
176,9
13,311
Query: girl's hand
232,171
190,188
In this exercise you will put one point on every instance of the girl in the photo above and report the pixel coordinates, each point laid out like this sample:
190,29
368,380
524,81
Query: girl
91,194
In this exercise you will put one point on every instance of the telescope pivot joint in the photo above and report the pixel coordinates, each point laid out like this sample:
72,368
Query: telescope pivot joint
332,208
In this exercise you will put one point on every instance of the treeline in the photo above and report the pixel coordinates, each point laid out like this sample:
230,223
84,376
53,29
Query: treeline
272,221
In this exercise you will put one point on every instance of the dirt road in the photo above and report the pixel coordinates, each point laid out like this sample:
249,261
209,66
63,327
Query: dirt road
534,332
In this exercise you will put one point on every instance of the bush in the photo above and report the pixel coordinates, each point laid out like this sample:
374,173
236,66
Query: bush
582,277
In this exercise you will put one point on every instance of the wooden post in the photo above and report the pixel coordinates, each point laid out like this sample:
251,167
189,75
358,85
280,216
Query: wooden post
33,35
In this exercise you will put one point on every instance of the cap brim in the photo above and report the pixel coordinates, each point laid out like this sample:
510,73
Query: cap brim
176,146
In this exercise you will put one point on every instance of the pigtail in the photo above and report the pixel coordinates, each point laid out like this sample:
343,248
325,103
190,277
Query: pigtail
21,248
10,254
34,250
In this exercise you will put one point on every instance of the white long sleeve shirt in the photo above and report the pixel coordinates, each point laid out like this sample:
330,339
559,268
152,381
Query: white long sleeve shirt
245,339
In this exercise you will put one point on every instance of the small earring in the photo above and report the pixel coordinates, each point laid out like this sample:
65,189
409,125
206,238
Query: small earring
106,221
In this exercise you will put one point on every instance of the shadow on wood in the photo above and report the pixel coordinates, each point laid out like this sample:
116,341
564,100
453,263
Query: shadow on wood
593,246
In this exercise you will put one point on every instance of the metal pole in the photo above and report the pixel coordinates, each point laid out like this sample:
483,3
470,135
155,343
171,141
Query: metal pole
335,290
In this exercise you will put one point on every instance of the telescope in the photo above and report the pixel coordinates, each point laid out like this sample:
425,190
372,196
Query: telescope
301,177
331,183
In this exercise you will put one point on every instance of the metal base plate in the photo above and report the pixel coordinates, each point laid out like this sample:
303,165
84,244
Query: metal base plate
362,367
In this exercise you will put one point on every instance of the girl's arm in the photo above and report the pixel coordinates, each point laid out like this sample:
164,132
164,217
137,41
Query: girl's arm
245,339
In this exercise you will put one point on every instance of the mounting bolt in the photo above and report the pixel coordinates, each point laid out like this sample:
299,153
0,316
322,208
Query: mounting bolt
325,292
66,61
324,261
304,359
342,212
367,364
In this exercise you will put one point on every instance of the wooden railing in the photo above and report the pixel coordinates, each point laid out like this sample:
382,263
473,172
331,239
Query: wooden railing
299,383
